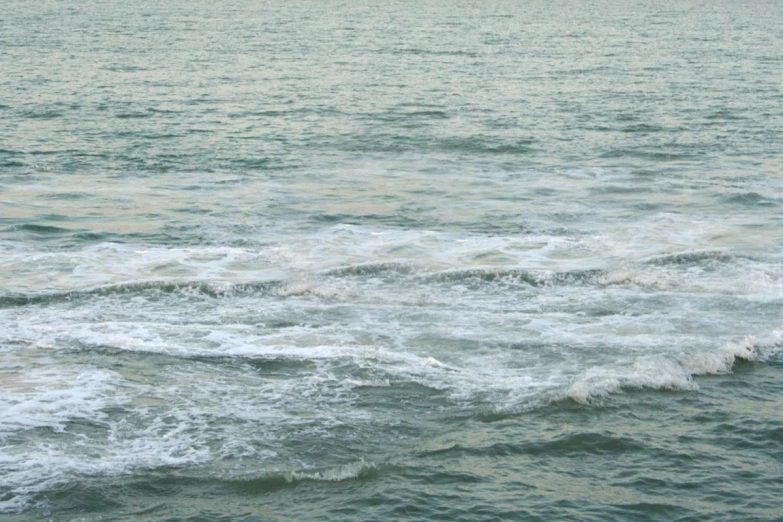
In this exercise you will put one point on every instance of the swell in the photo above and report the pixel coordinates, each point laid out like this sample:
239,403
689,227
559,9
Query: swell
570,444
269,364
512,276
163,482
371,269
209,289
639,275
532,278
267,482
749,199
693,258
483,275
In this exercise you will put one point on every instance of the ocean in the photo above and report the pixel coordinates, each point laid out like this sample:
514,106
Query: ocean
373,261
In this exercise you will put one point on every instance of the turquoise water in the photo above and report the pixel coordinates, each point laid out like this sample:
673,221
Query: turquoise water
402,261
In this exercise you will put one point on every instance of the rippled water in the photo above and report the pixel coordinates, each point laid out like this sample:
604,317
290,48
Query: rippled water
399,261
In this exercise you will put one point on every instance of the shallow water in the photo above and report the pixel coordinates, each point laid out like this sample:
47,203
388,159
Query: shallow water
417,261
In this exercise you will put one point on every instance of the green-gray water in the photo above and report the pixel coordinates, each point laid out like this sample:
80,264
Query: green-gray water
391,261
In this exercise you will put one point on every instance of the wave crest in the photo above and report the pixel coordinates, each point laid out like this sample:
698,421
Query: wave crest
660,373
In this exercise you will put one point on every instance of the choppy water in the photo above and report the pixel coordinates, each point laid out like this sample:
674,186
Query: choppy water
391,261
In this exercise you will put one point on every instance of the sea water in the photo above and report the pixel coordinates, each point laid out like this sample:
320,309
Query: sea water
436,260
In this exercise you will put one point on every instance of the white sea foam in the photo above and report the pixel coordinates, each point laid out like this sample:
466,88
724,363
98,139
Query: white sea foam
192,419
649,372
51,397
293,258
483,323
44,465
758,348
721,360
670,372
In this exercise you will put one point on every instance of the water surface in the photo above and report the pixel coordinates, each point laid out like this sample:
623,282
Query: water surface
410,261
